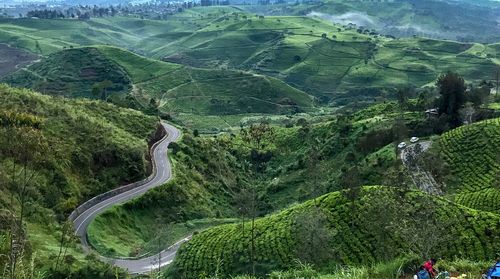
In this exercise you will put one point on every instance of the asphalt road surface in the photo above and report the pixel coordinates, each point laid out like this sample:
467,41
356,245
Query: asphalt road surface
163,174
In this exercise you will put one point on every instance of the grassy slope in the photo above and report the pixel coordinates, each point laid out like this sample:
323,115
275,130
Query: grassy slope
404,18
292,48
291,176
101,146
473,155
275,240
72,73
177,88
214,37
43,37
205,176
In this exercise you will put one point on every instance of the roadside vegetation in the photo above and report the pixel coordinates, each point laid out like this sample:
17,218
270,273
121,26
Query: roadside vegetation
55,154
288,166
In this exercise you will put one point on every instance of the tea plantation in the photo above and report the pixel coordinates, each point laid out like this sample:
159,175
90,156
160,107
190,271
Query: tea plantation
226,249
174,88
473,155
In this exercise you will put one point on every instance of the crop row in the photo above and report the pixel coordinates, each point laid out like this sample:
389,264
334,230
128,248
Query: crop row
472,153
226,249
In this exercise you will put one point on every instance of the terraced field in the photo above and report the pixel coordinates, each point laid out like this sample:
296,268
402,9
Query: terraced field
472,153
323,59
72,73
326,59
177,88
45,36
226,248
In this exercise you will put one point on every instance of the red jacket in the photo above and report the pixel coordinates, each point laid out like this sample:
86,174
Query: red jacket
430,268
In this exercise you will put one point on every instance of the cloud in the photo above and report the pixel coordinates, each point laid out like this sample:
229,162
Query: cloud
358,18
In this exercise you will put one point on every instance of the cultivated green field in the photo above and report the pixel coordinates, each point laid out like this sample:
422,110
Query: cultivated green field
312,54
225,249
473,155
136,80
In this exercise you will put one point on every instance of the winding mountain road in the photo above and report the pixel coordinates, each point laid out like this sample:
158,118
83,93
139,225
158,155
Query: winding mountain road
162,172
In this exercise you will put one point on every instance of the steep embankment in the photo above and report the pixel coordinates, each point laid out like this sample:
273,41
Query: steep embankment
375,224
73,150
473,156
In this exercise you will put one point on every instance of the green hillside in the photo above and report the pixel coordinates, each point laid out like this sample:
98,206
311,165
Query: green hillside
72,73
328,60
473,155
205,179
45,36
293,49
176,88
404,18
69,151
306,160
225,249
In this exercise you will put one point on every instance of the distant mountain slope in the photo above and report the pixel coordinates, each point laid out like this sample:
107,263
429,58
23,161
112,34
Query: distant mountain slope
44,36
462,20
72,73
326,60
331,61
226,249
176,88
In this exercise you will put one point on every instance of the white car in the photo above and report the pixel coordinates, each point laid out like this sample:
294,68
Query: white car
402,145
414,139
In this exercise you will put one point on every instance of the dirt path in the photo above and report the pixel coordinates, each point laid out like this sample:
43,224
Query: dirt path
421,178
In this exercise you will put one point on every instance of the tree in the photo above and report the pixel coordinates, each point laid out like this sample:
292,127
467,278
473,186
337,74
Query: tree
26,146
313,237
452,96
99,89
351,181
66,236
466,113
257,138
402,95
479,95
399,130
422,229
314,170
105,84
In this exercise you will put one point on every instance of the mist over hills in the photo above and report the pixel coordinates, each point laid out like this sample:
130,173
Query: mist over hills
335,139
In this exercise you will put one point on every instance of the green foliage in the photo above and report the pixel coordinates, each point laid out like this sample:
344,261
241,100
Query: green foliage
71,151
108,72
275,240
452,90
73,73
206,174
471,152
292,49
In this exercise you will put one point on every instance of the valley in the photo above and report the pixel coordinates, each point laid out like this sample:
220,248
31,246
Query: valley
257,140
